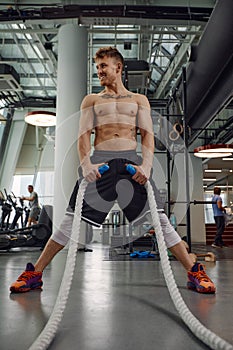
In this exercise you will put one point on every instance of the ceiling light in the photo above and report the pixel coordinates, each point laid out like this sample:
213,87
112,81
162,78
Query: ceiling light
213,171
227,158
41,118
209,179
213,151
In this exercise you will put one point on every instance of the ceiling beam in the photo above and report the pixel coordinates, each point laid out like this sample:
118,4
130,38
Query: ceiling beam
106,12
173,68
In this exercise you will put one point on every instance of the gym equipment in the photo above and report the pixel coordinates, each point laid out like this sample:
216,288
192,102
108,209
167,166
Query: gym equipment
130,169
23,209
228,217
26,210
142,254
209,256
199,330
176,131
5,241
46,336
43,230
30,236
18,212
6,211
103,169
9,203
116,219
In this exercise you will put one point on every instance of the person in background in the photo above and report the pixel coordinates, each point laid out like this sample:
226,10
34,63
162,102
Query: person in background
219,219
34,206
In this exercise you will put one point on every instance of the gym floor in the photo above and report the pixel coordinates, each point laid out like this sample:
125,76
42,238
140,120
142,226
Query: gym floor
115,305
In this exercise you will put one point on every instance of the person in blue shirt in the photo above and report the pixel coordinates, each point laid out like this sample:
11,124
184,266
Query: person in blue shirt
219,219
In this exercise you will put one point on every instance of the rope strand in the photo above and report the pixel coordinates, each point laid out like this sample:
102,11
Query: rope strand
48,333
199,330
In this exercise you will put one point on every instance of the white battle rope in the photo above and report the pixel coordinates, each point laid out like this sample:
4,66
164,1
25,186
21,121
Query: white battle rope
48,333
46,336
204,334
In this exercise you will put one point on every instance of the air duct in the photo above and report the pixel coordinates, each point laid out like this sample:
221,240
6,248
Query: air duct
9,78
137,74
210,76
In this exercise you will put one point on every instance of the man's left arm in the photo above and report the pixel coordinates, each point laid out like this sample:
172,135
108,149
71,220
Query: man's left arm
219,204
147,135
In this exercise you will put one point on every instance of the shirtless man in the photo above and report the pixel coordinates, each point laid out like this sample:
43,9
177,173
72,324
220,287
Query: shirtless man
115,114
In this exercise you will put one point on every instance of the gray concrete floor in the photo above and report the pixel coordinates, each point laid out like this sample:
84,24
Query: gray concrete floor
113,305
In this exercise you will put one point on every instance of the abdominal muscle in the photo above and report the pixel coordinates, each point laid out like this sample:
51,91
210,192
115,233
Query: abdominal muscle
115,137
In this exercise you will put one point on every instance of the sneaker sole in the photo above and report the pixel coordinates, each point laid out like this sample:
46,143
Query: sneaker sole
192,286
216,246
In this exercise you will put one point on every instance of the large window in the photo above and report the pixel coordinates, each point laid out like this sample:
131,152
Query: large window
20,184
43,186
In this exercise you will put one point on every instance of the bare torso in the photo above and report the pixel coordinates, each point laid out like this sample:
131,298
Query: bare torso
115,122
115,114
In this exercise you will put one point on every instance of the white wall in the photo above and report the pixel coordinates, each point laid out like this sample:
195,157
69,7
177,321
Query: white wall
35,157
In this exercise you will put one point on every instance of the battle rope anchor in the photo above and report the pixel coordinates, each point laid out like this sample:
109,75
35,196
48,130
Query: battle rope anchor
46,336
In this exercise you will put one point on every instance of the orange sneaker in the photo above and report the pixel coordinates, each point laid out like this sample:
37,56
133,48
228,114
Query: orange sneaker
199,281
28,280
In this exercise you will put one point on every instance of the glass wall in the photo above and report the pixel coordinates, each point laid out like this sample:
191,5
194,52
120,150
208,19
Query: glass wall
43,186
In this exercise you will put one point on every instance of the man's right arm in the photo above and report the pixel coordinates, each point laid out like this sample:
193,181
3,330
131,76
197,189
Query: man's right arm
86,125
30,199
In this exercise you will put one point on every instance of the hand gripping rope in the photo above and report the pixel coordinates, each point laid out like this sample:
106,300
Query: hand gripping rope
46,336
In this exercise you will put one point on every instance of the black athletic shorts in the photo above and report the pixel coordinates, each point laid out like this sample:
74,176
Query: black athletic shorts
116,184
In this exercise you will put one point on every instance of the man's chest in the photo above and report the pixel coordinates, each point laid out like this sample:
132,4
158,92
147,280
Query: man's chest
115,107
